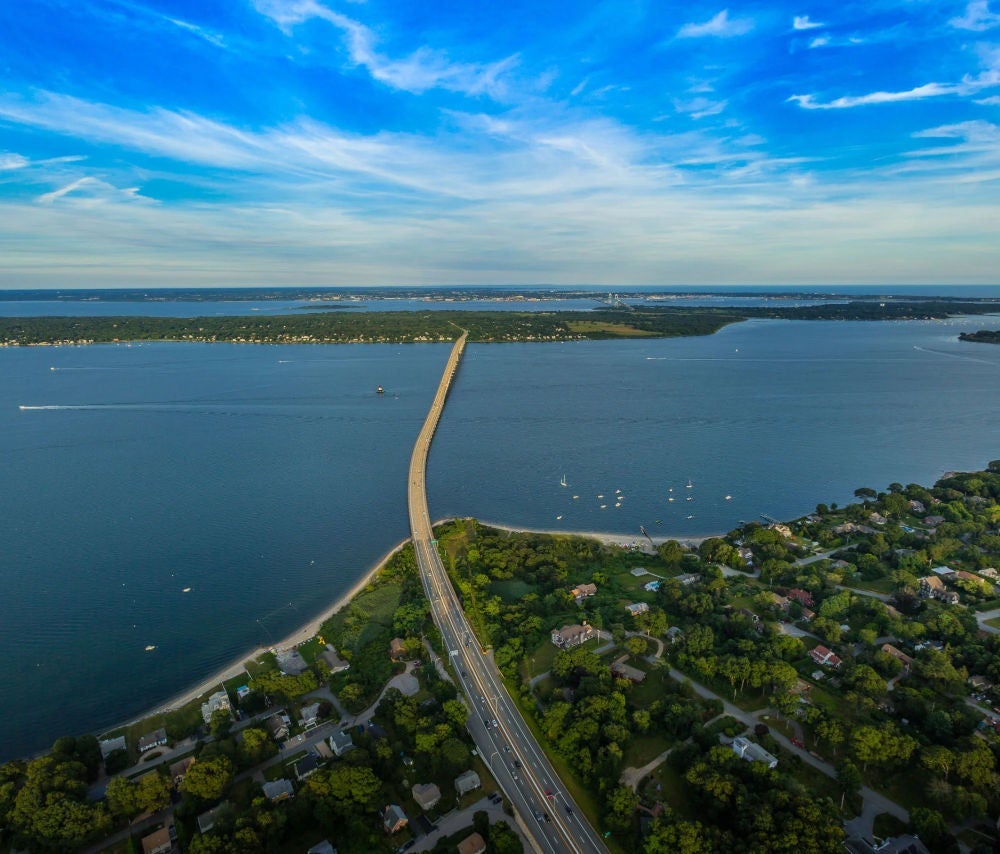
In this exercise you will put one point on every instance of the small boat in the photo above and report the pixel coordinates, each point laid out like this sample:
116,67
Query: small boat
186,590
619,504
690,517
729,498
604,506
617,490
150,648
690,498
689,484
671,498
601,495
558,518
575,497
380,390
563,481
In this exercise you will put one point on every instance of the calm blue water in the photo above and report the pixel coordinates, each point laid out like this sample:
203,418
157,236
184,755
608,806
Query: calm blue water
268,479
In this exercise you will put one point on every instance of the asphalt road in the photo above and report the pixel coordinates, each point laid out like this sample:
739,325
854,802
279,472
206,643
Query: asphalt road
501,735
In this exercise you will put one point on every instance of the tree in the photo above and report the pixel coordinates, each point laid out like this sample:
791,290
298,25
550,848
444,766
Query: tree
209,778
929,825
848,778
152,792
122,797
938,759
256,746
636,645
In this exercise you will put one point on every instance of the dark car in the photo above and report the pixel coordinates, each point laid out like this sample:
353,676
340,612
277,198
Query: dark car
547,817
517,763
538,816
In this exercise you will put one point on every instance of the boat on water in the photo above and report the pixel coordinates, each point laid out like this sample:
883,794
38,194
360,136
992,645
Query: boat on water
150,648
186,590
618,504
729,498
563,481
689,484
558,518
380,390
604,506
575,497
671,498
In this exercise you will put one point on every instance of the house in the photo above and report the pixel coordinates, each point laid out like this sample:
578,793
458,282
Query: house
979,683
893,845
933,521
178,771
397,650
583,591
898,654
206,821
306,766
877,518
637,608
946,572
341,742
466,782
808,615
821,655
472,844
781,601
157,842
674,633
782,529
110,745
625,671
278,725
746,554
394,819
573,635
323,847
990,572
290,662
931,586
803,597
322,751
334,661
426,795
152,739
278,790
219,701
752,752
309,715
688,578
917,506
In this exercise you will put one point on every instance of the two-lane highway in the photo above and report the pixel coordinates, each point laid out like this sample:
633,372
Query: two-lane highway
547,813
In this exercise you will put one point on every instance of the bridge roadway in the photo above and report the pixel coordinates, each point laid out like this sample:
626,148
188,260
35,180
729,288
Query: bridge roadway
504,741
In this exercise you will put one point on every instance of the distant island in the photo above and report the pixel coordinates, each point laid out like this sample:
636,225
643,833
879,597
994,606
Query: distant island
828,678
391,327
983,336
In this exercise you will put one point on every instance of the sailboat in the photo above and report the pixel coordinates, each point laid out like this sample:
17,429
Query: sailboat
689,484
563,481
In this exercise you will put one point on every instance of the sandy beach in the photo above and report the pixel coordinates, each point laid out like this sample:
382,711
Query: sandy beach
310,629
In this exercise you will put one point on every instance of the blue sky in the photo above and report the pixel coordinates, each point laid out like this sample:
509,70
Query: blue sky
316,142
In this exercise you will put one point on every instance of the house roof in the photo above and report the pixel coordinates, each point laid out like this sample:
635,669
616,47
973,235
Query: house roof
110,745
467,781
156,840
472,844
151,739
179,769
278,789
426,795
584,590
626,671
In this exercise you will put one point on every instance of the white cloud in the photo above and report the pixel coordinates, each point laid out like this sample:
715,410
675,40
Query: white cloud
721,26
89,191
699,108
977,17
991,101
802,22
201,32
820,41
422,70
10,162
928,90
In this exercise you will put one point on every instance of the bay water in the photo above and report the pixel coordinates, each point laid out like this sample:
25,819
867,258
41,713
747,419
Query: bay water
267,479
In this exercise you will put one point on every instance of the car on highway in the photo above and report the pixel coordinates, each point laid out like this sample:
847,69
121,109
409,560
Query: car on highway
538,816
517,763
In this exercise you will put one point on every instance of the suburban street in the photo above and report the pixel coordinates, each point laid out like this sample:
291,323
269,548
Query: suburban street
545,812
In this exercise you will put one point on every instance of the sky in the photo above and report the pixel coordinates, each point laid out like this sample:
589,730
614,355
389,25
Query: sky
342,142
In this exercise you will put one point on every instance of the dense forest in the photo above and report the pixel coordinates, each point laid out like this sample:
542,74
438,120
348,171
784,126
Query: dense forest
336,327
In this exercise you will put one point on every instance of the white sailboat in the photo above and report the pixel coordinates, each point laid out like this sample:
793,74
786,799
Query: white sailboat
563,481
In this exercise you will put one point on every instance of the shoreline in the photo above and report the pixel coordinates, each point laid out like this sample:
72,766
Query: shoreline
311,628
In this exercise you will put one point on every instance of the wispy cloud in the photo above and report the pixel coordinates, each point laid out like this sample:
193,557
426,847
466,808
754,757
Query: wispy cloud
9,162
209,36
802,22
424,69
720,26
699,108
89,192
977,17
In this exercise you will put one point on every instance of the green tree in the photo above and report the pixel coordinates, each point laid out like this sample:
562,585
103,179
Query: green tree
209,779
122,797
255,746
152,792
636,645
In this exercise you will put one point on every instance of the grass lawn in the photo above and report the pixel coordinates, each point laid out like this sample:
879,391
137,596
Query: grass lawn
987,605
670,786
644,749
816,783
995,622
877,585
616,329
539,661
311,650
